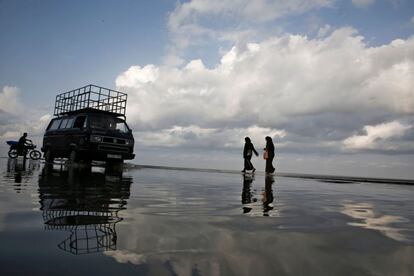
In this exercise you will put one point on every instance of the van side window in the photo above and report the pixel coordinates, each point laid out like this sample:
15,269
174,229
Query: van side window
80,122
55,124
70,123
63,124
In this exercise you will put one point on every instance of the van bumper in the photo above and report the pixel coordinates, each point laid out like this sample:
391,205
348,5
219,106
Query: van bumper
105,155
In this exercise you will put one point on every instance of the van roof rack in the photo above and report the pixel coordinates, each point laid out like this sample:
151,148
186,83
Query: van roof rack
91,97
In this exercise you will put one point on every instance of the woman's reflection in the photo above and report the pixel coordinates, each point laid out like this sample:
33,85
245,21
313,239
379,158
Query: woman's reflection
248,196
267,198
86,204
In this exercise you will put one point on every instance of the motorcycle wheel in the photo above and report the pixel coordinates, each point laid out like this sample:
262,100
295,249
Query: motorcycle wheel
35,154
12,153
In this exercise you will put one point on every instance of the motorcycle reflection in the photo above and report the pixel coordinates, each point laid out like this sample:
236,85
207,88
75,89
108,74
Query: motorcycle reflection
84,203
20,170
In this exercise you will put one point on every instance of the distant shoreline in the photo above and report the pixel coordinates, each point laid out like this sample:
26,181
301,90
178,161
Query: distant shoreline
324,178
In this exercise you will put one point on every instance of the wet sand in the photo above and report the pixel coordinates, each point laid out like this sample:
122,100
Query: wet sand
160,221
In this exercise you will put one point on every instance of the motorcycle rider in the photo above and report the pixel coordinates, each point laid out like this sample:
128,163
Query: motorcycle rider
23,142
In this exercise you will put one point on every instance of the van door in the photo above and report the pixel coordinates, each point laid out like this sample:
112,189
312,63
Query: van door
79,131
50,137
68,135
61,141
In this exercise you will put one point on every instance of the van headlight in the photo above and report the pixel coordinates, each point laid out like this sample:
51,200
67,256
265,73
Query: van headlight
96,139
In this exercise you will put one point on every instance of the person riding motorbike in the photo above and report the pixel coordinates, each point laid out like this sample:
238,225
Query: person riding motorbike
23,143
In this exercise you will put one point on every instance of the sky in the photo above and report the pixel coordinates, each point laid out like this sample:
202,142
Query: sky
331,81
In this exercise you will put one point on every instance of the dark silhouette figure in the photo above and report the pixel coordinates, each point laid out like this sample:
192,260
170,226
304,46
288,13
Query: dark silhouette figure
270,149
21,145
268,195
247,155
247,195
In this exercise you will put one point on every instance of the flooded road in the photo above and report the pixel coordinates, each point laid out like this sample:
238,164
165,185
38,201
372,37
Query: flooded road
83,221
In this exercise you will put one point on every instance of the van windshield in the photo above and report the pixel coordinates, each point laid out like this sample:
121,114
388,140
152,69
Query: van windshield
108,123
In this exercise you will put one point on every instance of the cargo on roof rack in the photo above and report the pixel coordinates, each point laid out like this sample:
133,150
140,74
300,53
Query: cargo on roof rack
91,97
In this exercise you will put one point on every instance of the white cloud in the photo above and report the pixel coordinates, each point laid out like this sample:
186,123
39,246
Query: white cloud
136,76
191,22
9,100
374,135
362,3
209,138
253,10
272,85
12,127
323,31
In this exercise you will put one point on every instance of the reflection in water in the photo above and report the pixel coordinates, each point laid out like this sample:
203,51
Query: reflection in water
249,199
267,198
247,195
20,169
386,224
191,223
86,204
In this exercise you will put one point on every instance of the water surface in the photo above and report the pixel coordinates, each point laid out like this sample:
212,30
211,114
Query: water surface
78,221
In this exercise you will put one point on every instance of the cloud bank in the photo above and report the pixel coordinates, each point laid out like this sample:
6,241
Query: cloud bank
307,93
9,100
17,118
362,3
200,22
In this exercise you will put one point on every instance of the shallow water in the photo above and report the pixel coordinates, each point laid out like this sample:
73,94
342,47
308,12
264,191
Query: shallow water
68,221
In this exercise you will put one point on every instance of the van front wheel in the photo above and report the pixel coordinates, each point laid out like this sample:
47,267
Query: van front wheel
48,156
115,164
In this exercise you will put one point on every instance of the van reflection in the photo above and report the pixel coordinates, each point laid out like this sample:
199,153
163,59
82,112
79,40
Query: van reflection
86,204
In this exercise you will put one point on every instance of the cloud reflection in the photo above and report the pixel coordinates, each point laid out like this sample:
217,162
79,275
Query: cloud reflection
365,214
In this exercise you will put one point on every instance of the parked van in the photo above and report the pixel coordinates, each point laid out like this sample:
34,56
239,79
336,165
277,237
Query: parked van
89,125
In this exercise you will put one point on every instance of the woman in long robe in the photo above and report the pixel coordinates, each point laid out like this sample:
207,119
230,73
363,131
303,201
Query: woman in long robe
247,155
270,149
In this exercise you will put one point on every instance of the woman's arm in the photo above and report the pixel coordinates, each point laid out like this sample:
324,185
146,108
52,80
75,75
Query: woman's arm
254,150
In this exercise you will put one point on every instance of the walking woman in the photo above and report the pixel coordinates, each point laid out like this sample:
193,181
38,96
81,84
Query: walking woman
270,152
247,155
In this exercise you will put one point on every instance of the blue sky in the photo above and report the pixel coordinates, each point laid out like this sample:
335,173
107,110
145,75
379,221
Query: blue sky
330,80
48,46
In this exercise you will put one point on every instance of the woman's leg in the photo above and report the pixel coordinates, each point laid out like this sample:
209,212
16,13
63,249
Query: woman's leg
269,165
267,169
251,164
248,164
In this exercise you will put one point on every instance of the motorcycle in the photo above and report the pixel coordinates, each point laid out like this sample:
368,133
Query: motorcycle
30,148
